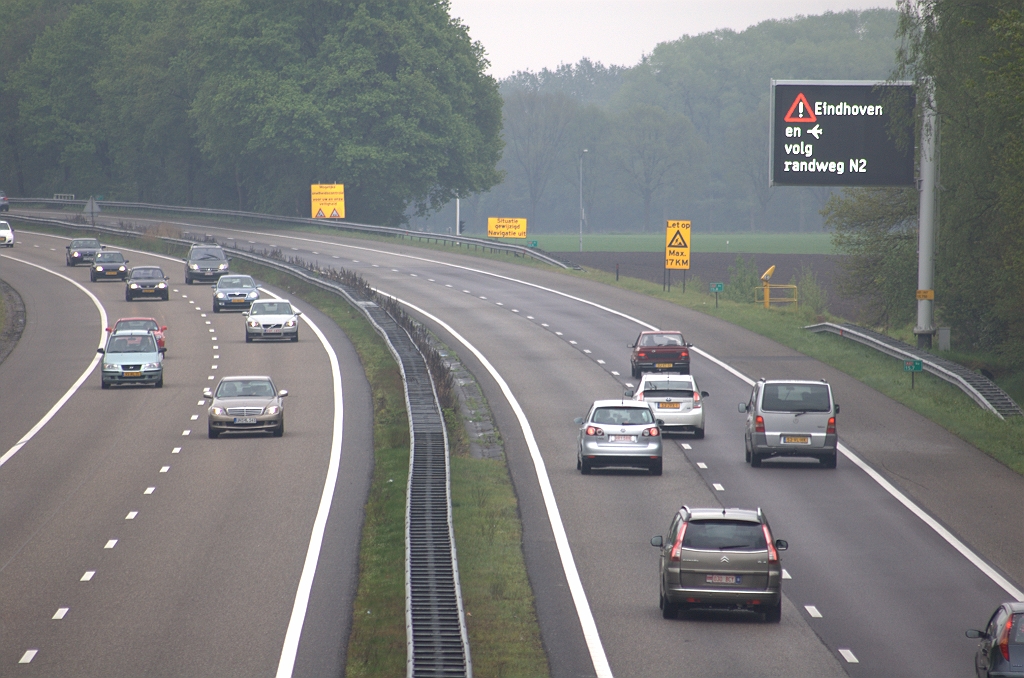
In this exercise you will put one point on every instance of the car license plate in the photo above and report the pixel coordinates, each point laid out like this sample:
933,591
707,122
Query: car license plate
273,330
111,272
245,420
238,301
722,579
795,440
148,291
622,439
663,366
133,374
668,406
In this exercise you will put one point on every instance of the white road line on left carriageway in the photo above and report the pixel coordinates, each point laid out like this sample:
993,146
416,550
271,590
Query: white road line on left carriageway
81,379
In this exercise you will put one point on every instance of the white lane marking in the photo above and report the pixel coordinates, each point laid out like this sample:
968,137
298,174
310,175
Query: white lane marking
430,280
718,487
290,647
312,252
202,315
849,656
412,274
813,611
216,348
571,341
701,464
295,249
629,384
165,469
498,303
587,350
194,417
208,322
28,656
544,325
184,296
131,515
60,613
213,338
514,310
394,270
211,377
785,574
186,432
615,373
686,446
558,333
579,596
110,544
529,317
600,362
213,367
215,356
465,291
334,256
149,490
78,382
89,574
201,402
447,285
212,330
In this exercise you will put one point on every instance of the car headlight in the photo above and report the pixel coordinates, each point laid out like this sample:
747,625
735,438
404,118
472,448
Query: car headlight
122,268
291,323
223,266
194,267
134,286
99,269
109,367
161,286
76,254
219,411
151,366
273,409
220,295
253,323
253,295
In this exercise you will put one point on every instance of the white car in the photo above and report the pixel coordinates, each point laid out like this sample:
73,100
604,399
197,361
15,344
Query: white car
6,234
675,399
272,319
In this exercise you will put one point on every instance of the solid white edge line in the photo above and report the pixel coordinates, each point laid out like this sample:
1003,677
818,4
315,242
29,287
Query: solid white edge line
290,647
78,383
579,596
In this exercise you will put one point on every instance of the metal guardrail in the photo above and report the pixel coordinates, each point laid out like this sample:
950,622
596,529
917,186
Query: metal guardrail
436,635
979,387
517,250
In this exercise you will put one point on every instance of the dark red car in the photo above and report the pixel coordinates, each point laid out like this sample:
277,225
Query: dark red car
149,324
662,351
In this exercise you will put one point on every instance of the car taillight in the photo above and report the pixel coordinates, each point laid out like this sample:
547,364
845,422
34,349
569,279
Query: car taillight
640,395
1004,637
773,555
759,425
642,354
684,353
696,400
674,556
653,431
831,425
594,431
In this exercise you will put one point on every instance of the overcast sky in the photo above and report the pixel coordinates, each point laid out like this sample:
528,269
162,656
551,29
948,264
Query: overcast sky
533,34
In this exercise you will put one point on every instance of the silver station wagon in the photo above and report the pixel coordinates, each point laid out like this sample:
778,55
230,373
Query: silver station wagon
619,433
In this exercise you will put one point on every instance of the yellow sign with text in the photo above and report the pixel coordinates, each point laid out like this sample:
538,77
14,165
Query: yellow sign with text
328,201
925,295
506,227
677,245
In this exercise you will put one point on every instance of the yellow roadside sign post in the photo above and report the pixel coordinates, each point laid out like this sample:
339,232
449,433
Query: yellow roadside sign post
327,201
677,251
506,227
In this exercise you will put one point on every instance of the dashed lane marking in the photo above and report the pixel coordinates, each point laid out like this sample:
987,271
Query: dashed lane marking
131,515
60,613
89,574
615,373
186,432
149,490
785,574
165,469
701,464
194,417
849,656
718,487
111,543
686,446
600,362
28,656
813,611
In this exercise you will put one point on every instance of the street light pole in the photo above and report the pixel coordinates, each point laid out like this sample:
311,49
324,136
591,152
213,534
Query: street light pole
581,198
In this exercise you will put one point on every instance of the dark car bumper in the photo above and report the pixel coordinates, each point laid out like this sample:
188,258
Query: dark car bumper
652,366
764,450
119,379
205,274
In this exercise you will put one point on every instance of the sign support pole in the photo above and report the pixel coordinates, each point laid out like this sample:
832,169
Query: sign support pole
458,222
927,212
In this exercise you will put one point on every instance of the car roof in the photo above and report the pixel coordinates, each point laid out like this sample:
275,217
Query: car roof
236,377
621,403
752,515
135,318
793,381
143,268
131,333
666,376
662,332
1014,606
264,302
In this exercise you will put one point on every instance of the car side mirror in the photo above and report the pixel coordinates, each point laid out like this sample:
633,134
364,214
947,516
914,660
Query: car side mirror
245,313
657,541
704,394
578,421
163,350
660,422
975,633
213,287
103,247
781,544
164,328
742,408
110,329
837,408
627,393
166,278
207,393
100,350
282,393
126,261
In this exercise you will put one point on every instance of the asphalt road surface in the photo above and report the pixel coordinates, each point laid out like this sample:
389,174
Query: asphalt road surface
131,544
872,590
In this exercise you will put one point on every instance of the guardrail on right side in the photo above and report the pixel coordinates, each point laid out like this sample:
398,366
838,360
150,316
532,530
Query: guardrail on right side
517,250
979,387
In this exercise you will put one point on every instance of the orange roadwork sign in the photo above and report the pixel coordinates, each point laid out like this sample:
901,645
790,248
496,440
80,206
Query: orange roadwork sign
506,227
677,245
327,201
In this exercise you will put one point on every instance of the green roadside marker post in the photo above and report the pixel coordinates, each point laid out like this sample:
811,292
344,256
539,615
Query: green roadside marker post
912,366
716,288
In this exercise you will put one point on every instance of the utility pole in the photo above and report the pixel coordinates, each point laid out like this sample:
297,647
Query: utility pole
581,198
458,230
927,212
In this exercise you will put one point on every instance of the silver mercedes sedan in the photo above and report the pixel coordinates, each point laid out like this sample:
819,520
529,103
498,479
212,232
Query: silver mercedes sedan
246,404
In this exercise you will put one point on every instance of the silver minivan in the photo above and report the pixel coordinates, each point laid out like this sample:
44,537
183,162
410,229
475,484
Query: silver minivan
791,418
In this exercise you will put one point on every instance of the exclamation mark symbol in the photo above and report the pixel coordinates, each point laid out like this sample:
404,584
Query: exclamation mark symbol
801,109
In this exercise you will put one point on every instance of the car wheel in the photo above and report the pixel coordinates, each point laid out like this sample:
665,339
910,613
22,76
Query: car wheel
188,280
668,610
656,468
159,383
127,296
585,467
167,296
773,614
104,384
746,454
92,278
829,461
248,339
279,431
211,432
295,337
755,459
579,464
216,308
698,433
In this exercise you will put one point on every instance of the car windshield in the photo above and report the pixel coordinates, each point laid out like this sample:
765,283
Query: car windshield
666,388
207,253
136,325
136,343
109,258
4,226
236,283
796,398
622,416
90,242
246,388
662,339
732,535
280,308
147,274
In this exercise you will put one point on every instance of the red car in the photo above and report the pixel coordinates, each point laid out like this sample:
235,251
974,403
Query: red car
665,351
149,324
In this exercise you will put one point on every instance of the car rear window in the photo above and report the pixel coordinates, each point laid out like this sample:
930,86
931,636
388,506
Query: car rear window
667,389
724,535
796,398
662,339
622,416
136,325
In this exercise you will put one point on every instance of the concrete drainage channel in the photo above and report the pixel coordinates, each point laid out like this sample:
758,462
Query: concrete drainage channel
437,640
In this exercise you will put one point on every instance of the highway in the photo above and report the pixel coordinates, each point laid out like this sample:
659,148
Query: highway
134,545
872,590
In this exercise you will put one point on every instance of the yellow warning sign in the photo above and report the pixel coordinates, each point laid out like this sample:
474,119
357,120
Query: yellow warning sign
328,201
677,245
506,227
924,295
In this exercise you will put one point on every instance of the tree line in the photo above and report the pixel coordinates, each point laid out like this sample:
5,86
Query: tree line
244,103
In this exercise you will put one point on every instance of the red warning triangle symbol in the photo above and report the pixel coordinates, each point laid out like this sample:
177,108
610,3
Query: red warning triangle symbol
800,111
334,214
677,240
320,215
